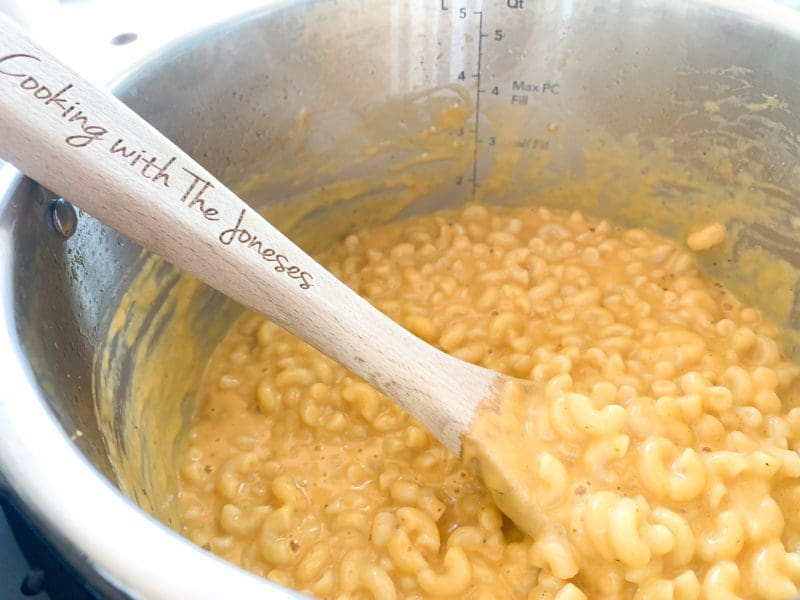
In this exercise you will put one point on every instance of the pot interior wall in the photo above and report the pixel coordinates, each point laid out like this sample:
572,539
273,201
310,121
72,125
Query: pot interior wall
332,116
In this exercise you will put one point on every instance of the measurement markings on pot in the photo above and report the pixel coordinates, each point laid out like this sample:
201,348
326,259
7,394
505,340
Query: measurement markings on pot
194,194
522,90
495,28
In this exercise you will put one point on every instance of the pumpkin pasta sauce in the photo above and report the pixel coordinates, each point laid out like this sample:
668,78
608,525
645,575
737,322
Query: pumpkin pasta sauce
662,442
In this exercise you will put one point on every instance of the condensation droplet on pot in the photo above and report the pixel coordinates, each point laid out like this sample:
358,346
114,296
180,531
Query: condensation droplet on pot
63,217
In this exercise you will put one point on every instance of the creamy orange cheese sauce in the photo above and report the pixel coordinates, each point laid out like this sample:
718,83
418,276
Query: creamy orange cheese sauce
662,444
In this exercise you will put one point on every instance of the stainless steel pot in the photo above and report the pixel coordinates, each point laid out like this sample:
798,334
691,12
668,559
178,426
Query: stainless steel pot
286,89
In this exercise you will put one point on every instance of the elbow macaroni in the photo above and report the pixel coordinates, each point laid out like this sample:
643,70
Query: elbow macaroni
662,445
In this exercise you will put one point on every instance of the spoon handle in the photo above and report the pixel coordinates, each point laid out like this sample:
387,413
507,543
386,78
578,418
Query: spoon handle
87,146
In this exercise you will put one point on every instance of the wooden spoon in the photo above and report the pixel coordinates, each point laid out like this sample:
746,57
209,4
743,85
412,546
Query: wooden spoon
87,146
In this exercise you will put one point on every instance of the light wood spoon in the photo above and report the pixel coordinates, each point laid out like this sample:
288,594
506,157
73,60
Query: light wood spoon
84,144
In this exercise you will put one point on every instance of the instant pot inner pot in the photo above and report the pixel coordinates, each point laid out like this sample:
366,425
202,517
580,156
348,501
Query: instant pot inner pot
333,116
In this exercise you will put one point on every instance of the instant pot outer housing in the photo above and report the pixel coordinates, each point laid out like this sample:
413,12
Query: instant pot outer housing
328,116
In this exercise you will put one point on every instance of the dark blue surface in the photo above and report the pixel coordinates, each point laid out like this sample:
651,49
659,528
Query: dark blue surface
27,560
13,566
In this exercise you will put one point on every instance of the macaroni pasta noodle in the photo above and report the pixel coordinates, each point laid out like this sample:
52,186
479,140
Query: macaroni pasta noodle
661,441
